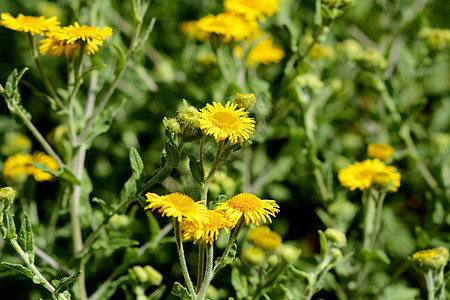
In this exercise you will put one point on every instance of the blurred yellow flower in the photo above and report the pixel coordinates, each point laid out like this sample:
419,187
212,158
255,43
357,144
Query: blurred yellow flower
49,162
381,151
252,9
226,26
92,37
188,28
178,206
226,122
265,52
264,238
319,51
30,24
370,173
209,231
251,207
55,47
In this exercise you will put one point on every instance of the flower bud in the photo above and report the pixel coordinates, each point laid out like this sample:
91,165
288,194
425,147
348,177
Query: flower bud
264,238
188,119
431,259
436,39
253,256
372,60
172,125
336,237
350,48
335,254
288,253
153,276
139,274
310,81
7,195
245,101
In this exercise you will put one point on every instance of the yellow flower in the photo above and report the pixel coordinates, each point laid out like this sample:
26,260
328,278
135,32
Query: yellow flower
381,151
49,162
226,122
227,26
55,47
370,173
32,25
251,207
253,256
209,231
264,238
15,167
188,28
265,52
178,206
252,9
93,37
433,259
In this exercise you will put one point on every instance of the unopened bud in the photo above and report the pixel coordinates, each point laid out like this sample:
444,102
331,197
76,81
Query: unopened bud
372,60
7,195
139,274
264,238
188,119
431,259
335,254
288,253
336,237
253,256
153,276
245,101
172,125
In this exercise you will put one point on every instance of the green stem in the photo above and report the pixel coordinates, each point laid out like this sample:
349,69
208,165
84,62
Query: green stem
33,268
44,78
378,214
201,265
180,250
37,135
320,271
369,219
202,170
430,284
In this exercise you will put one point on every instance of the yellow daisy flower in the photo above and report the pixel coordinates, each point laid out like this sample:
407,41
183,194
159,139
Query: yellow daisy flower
252,9
188,28
381,151
178,206
370,173
93,37
55,47
265,52
209,231
49,162
30,24
15,167
251,207
264,238
227,26
226,122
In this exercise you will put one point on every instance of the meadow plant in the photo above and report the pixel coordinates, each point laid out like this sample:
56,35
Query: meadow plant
310,159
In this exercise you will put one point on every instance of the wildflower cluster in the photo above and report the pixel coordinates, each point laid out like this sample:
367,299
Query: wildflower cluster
18,166
68,39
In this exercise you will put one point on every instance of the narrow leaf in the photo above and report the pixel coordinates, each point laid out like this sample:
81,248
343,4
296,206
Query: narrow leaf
136,163
20,269
172,155
194,165
65,282
180,291
323,244
26,239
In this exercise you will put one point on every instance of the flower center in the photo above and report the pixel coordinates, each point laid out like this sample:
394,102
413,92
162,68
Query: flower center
364,174
180,200
245,202
224,119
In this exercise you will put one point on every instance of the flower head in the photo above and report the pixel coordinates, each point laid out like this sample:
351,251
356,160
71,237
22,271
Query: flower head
251,207
370,173
209,231
178,206
264,238
252,9
265,52
227,26
55,47
381,151
15,167
226,122
92,37
433,259
30,24
49,162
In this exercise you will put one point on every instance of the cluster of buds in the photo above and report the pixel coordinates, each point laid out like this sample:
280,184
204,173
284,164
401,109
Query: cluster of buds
185,125
7,195
436,39
372,60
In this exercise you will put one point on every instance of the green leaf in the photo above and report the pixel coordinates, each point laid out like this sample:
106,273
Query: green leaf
239,146
63,296
377,255
9,227
157,294
120,64
172,155
134,11
239,282
26,237
180,291
65,282
153,225
20,269
12,93
230,257
86,73
318,13
129,189
300,274
323,244
103,121
422,237
63,173
106,208
145,36
194,166
136,163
